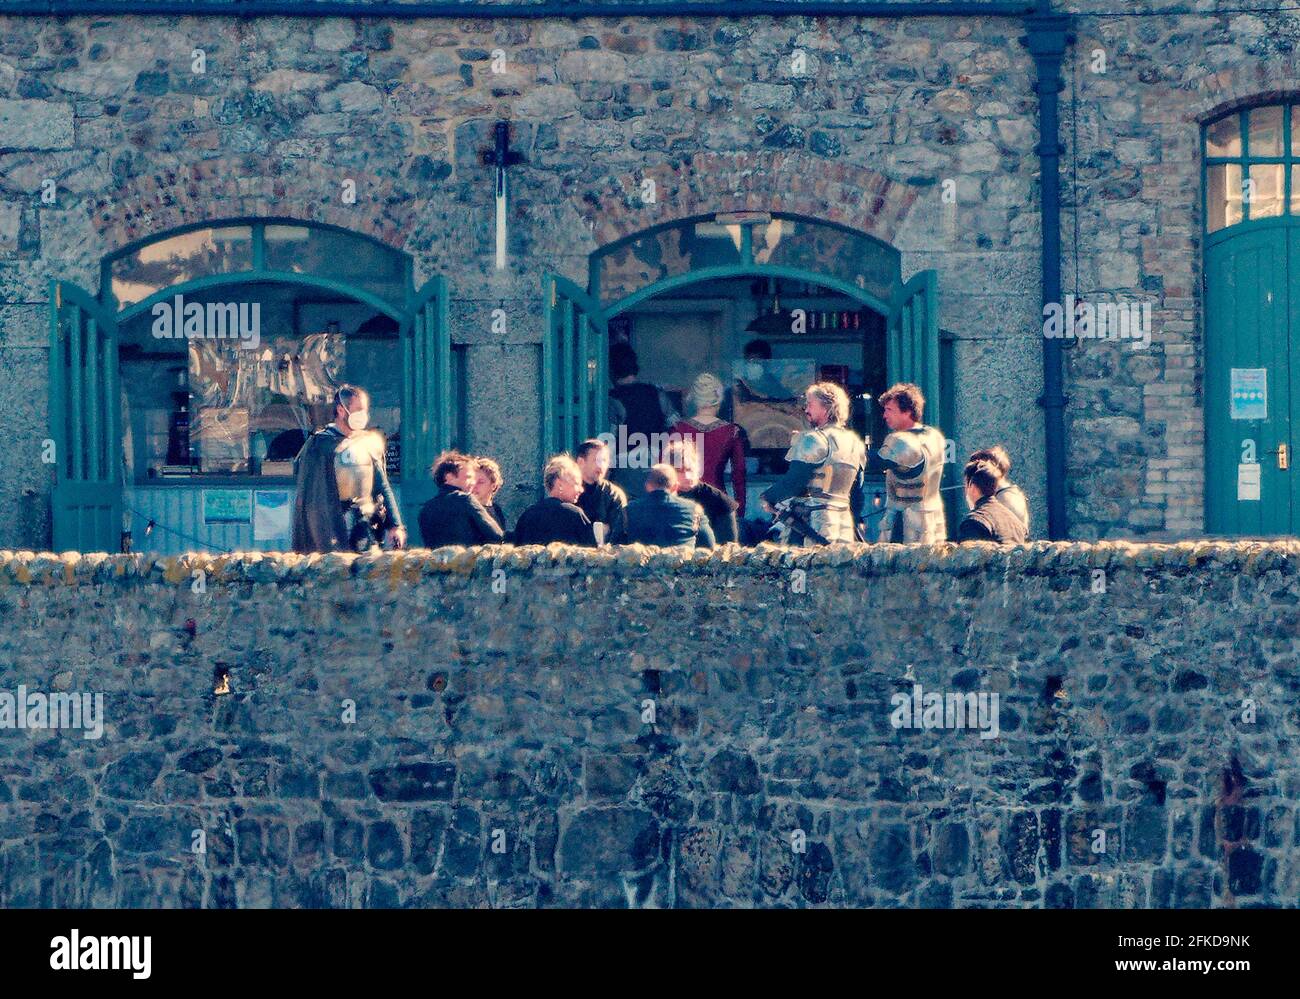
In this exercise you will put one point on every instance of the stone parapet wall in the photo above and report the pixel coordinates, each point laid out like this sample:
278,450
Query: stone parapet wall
472,727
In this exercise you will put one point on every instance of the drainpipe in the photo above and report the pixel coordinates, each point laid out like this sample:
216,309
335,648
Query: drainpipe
546,8
1047,41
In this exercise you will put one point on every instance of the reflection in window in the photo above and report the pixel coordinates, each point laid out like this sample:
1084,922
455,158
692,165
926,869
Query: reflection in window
1257,147
1223,138
1223,196
1265,135
233,249
181,258
1266,190
774,241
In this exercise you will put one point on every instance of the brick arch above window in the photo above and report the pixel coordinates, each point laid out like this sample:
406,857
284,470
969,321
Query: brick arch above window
789,182
152,204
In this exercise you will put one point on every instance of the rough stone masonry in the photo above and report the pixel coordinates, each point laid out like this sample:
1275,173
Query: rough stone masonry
559,727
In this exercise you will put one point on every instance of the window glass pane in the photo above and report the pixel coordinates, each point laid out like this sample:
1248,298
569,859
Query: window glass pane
825,249
1295,190
181,258
1265,132
338,255
1295,130
1223,196
1266,190
1223,138
1265,126
667,253
243,404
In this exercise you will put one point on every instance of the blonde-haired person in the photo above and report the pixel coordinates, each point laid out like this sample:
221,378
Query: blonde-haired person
557,518
720,444
818,500
487,483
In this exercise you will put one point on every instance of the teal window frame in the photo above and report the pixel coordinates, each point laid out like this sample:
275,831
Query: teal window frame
1288,160
259,271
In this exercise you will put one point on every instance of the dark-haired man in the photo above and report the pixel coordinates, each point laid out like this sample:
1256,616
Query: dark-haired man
1008,493
343,500
603,502
454,516
989,519
912,459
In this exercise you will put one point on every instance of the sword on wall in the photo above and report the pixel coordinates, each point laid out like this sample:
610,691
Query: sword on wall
501,156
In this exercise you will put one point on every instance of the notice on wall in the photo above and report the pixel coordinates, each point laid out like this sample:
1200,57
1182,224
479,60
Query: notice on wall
227,506
271,515
1248,481
1249,390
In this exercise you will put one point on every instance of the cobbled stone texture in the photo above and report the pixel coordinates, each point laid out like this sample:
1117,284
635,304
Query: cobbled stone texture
473,728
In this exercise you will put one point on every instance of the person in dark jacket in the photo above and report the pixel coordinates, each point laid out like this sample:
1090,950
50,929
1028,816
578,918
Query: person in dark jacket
638,412
557,518
662,518
717,505
454,516
1008,493
989,519
601,500
487,483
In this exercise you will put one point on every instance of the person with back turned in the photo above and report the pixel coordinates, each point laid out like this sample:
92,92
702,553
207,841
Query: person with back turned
557,517
1008,493
662,518
454,516
912,459
989,518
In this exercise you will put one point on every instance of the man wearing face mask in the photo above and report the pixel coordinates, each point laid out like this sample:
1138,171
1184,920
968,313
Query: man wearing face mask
344,501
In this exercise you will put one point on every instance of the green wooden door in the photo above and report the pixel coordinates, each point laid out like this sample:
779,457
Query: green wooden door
912,354
85,422
575,360
426,395
1249,318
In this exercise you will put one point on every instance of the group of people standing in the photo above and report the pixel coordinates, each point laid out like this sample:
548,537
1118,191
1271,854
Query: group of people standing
344,499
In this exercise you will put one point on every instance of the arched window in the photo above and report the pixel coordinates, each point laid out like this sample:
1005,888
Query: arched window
1251,158
181,396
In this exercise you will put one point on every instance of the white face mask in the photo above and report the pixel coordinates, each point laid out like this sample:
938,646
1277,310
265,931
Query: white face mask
357,420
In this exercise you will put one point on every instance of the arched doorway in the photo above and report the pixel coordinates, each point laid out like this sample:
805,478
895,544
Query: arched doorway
1252,319
180,394
827,302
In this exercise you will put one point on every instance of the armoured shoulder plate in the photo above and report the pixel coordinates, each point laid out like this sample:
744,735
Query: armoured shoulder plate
904,448
812,446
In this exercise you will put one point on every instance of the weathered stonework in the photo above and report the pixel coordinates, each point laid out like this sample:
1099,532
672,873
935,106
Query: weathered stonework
889,108
499,697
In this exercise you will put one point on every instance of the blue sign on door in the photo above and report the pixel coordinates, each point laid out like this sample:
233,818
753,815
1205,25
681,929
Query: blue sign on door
1249,387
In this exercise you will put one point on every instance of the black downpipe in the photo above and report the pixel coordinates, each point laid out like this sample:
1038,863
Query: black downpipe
1048,38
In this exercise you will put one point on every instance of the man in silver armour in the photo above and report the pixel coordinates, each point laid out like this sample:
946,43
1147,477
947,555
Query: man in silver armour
912,460
818,500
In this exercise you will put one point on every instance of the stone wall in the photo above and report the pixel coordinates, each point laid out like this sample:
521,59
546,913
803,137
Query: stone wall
392,719
138,144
